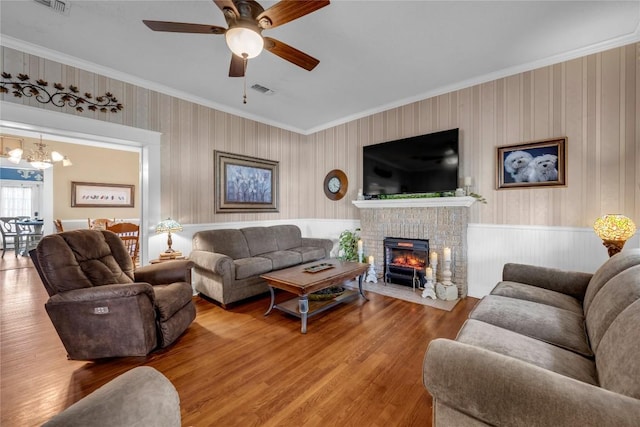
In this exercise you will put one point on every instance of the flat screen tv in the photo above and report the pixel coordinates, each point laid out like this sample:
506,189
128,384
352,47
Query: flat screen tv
420,164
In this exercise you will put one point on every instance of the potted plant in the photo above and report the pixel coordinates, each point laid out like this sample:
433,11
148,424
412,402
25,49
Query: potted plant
348,245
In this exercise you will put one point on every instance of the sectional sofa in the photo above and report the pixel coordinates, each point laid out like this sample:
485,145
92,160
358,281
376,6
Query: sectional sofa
545,348
229,262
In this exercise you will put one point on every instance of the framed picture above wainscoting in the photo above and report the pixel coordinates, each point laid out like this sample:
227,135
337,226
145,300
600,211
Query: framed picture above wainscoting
245,184
532,164
97,195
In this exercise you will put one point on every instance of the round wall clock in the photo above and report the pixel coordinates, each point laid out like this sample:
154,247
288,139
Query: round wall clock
335,184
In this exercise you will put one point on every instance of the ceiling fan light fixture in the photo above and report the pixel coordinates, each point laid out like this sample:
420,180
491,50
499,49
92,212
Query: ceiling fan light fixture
244,41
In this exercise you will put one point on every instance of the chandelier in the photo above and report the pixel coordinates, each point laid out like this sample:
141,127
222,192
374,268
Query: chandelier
39,157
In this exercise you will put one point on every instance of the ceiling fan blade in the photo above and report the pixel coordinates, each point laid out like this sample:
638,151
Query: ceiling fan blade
181,27
237,68
286,11
290,54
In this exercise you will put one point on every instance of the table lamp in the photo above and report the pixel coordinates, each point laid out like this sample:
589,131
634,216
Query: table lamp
614,230
167,226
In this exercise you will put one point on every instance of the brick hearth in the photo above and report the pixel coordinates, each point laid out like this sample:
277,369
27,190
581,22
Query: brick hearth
443,222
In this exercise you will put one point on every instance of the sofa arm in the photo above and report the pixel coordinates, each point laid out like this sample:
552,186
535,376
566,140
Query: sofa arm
141,396
503,391
567,282
326,244
163,273
217,263
104,292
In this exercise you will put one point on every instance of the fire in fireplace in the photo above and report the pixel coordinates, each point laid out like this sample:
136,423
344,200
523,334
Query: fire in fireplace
405,261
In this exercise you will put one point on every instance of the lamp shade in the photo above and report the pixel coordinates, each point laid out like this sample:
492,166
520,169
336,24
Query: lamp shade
244,41
614,227
168,226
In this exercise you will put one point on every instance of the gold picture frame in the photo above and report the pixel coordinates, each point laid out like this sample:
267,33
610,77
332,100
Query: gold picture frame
245,184
532,164
99,195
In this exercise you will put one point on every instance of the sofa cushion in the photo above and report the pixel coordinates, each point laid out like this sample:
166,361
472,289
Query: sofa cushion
254,266
529,350
283,259
230,242
617,354
540,321
614,265
615,296
310,253
539,295
287,236
260,240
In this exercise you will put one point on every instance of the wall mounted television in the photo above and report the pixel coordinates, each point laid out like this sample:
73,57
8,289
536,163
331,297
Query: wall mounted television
420,164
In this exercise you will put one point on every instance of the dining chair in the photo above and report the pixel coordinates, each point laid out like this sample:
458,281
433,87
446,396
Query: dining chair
9,234
58,224
100,223
130,235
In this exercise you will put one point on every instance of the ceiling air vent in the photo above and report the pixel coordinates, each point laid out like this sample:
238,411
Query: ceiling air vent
262,89
59,6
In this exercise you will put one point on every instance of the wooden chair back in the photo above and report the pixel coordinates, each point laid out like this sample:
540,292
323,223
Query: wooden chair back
58,224
100,223
130,235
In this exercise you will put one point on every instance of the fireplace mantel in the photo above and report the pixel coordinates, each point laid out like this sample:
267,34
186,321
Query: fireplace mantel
427,202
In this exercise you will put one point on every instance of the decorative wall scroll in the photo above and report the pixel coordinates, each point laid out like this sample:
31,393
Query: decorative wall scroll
23,86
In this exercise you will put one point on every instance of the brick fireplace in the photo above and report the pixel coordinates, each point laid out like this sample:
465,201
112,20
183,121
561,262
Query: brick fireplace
442,221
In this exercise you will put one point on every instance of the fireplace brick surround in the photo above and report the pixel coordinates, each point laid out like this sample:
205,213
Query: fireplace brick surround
442,222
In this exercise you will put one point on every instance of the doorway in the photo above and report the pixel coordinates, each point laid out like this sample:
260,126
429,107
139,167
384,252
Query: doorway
32,122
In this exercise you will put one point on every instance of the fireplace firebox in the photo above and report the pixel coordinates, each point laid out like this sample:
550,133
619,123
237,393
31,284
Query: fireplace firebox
405,261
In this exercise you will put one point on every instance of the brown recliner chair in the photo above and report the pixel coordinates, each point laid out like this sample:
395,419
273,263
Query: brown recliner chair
100,306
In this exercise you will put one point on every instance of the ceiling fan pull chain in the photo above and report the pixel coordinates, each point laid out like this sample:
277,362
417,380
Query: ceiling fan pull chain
244,78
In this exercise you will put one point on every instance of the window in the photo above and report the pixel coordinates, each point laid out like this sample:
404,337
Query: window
19,200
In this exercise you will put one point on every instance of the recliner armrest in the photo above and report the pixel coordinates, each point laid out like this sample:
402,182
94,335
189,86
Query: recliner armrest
141,396
571,283
164,273
504,391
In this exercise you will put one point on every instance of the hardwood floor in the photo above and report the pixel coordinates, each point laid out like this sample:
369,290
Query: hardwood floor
359,364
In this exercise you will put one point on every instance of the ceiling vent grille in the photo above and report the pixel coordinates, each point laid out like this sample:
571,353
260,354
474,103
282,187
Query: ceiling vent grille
62,7
262,89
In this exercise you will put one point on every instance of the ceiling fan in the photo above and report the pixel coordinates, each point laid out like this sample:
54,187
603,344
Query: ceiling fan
246,20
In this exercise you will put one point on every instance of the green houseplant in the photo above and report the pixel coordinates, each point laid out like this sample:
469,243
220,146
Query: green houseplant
348,245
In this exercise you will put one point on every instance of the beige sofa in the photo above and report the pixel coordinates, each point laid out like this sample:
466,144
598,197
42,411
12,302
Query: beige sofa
545,348
229,262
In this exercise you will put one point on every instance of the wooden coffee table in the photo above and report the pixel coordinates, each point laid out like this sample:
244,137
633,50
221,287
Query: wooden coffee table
305,279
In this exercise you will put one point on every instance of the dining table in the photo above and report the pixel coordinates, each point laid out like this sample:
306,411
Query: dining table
29,233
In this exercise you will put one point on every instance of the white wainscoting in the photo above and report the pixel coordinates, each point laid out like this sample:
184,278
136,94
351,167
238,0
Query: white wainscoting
491,246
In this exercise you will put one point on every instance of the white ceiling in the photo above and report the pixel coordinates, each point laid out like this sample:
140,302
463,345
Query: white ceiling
374,55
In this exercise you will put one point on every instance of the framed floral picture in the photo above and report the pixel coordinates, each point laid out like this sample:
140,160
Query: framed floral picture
533,164
245,184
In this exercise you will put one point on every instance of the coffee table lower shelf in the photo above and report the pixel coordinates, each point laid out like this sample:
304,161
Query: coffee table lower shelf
292,306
